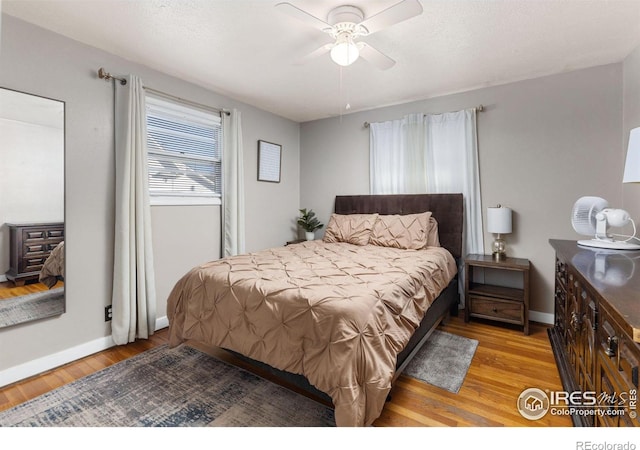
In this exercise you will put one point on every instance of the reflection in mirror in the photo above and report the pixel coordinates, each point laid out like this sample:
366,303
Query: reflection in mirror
31,207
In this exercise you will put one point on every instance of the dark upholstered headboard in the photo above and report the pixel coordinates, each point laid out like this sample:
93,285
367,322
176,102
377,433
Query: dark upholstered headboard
447,209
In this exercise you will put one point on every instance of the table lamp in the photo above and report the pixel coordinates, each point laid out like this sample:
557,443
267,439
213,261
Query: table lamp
499,222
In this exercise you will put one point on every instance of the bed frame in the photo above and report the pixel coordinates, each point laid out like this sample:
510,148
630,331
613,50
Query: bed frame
447,209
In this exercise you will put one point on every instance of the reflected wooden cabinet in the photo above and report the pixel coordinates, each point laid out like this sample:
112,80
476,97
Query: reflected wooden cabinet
30,244
596,332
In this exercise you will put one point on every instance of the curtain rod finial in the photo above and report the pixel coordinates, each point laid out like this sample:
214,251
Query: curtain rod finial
103,74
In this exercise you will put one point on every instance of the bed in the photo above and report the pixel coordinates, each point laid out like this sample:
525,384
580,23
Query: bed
336,318
53,267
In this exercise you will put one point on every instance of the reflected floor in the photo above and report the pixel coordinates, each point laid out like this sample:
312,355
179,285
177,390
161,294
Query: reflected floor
9,290
33,306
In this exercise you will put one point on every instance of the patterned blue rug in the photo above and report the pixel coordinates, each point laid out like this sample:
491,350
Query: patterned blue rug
166,387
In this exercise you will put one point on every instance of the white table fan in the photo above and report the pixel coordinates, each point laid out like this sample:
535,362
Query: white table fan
591,216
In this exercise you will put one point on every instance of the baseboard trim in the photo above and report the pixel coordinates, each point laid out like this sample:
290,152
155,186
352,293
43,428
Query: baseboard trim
162,322
40,365
540,317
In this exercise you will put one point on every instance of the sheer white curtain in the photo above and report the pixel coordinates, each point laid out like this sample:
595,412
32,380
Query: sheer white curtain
423,153
452,166
397,156
134,296
233,226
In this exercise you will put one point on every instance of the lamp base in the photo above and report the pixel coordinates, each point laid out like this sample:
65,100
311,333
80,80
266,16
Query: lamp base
497,256
498,249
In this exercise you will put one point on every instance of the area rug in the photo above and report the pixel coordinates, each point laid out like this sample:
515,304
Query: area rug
31,306
443,360
166,387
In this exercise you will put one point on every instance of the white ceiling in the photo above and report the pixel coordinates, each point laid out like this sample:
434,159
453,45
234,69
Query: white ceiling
246,49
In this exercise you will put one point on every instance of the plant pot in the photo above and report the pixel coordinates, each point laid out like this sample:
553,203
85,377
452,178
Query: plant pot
310,235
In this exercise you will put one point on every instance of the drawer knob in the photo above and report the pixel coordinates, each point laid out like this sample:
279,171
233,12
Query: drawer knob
495,310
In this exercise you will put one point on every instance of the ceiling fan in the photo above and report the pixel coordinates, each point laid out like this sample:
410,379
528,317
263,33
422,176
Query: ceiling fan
346,24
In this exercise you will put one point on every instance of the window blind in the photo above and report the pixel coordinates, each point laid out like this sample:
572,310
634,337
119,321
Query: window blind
184,150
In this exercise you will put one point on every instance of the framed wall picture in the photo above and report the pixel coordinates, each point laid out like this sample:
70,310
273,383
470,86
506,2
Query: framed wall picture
269,157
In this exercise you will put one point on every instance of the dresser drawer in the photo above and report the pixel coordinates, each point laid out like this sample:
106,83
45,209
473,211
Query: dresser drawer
491,308
30,235
629,362
622,352
32,249
609,392
39,235
39,249
55,235
33,264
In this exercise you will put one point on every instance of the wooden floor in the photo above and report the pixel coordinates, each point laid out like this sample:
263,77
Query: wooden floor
506,362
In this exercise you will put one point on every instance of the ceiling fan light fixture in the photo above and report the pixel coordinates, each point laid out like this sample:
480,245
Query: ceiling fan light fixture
345,52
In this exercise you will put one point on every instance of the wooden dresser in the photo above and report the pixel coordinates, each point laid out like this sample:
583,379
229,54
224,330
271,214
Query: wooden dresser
596,334
29,246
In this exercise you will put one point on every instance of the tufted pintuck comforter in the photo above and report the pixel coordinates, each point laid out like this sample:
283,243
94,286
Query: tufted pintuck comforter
336,313
53,267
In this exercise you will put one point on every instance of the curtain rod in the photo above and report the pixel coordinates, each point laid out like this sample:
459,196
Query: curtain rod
188,102
107,76
477,108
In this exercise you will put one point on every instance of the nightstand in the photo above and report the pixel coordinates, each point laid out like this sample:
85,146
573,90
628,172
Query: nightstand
492,301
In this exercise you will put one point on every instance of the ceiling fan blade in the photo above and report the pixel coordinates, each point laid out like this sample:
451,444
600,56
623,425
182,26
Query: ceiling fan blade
375,57
399,12
314,54
294,11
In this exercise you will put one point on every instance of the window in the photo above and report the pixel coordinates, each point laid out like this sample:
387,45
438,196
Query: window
185,153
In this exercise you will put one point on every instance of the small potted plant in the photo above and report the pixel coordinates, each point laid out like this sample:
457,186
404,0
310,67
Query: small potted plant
309,223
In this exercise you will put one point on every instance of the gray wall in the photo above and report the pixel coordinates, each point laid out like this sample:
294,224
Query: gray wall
631,101
37,61
543,143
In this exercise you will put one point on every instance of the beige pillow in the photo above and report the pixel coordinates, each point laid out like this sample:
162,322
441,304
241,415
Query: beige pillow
401,231
350,228
433,238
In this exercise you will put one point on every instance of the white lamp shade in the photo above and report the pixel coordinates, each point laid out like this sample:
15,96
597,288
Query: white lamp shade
499,220
632,165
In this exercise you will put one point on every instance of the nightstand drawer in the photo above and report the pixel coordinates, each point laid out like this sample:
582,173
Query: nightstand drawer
491,308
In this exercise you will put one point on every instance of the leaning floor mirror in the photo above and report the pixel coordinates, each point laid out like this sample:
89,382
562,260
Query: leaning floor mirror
32,150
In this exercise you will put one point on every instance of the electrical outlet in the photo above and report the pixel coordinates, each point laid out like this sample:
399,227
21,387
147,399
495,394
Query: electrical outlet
108,312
